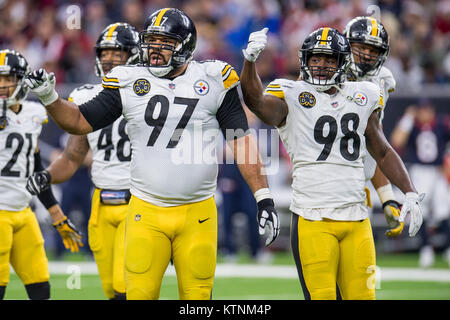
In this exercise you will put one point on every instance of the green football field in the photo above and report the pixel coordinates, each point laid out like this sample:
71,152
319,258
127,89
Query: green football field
281,283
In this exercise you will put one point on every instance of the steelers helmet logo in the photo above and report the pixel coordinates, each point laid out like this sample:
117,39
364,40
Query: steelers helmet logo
141,87
307,99
201,87
137,217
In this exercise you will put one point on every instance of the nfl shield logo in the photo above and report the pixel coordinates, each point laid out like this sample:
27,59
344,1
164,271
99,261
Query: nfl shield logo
172,86
335,104
201,87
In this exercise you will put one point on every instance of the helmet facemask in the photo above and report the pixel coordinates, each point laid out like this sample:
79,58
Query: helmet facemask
152,60
322,78
16,92
103,67
363,64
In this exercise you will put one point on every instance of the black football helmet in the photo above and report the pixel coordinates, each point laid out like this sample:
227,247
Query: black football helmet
12,63
118,35
172,23
325,41
369,31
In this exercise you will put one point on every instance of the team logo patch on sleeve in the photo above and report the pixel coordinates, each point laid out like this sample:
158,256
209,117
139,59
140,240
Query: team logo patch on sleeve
307,99
360,98
141,87
201,87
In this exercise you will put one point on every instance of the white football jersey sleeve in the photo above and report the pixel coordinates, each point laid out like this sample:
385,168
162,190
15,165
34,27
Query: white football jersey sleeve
385,80
173,129
18,143
324,136
111,150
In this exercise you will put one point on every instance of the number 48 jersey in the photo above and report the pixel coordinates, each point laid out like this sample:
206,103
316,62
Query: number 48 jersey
324,136
18,141
111,151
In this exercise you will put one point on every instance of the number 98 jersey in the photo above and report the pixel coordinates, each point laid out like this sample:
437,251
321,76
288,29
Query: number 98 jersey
18,141
111,150
324,136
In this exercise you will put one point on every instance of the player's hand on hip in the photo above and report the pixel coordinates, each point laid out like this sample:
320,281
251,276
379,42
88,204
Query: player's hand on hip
42,84
38,182
411,205
70,234
392,210
268,218
257,41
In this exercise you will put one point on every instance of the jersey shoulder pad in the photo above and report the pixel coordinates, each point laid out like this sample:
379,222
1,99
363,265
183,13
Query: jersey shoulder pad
278,88
374,94
84,93
119,77
388,78
222,71
36,110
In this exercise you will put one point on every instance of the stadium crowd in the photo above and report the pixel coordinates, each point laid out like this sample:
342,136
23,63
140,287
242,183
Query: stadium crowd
41,30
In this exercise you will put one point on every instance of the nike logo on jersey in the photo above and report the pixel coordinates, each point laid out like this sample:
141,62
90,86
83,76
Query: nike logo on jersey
201,221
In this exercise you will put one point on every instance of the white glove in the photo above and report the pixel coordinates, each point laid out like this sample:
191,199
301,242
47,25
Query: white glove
257,41
42,84
411,205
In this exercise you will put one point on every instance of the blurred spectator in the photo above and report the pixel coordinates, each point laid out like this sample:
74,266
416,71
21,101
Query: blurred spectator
420,138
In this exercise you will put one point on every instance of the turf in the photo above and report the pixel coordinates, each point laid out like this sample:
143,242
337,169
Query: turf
252,288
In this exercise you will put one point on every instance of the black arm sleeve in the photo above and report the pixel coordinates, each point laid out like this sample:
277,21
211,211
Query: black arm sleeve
104,109
46,197
231,116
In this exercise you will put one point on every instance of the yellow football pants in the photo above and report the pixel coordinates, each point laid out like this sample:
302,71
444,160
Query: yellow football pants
187,234
334,257
22,245
106,239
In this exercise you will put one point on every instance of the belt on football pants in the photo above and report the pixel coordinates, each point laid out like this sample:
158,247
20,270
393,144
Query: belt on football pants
115,197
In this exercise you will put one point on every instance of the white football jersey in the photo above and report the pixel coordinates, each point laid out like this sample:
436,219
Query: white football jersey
111,150
166,170
324,136
385,80
18,143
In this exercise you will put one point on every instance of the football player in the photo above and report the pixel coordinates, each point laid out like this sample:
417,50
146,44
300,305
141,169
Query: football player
111,155
21,241
325,124
174,106
369,42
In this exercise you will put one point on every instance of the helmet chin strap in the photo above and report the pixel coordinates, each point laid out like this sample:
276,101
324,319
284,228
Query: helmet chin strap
160,71
349,98
3,118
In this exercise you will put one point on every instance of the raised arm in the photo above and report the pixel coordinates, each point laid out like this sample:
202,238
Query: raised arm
271,110
65,113
97,113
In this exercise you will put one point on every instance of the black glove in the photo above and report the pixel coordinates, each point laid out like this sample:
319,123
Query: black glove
267,216
38,182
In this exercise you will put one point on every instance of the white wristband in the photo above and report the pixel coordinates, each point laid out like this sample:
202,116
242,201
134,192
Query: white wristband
263,193
386,193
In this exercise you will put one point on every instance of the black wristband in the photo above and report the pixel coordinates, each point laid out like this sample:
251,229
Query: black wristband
391,202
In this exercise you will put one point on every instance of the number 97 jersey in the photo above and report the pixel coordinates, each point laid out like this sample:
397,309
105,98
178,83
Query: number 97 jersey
324,136
111,150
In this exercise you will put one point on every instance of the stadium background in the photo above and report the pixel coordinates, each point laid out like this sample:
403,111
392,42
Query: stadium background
419,59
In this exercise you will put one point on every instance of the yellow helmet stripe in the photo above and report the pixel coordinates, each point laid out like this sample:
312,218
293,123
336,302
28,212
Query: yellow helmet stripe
159,17
374,27
3,57
111,30
323,38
